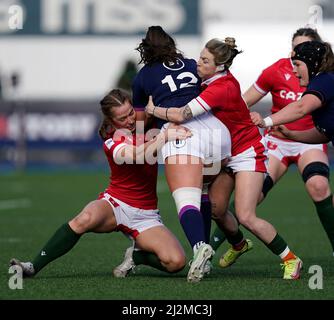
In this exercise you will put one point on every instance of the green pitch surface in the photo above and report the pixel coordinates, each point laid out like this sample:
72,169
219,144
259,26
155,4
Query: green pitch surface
33,206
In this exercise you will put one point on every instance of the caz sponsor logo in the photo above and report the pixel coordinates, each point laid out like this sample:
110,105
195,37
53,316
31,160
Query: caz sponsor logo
290,95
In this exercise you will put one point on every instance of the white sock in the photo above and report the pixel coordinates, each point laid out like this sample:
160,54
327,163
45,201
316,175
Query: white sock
284,253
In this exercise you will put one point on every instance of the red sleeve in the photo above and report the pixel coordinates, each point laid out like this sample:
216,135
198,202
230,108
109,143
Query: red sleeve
264,82
214,95
110,145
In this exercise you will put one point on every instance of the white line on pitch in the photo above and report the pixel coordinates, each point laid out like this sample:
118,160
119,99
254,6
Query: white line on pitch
15,203
10,240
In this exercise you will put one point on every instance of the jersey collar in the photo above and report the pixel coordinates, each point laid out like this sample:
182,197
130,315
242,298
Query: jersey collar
214,77
292,65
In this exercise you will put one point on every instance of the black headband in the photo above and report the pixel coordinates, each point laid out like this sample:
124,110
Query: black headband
312,53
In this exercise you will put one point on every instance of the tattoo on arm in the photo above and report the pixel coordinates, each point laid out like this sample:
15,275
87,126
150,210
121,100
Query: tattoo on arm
187,114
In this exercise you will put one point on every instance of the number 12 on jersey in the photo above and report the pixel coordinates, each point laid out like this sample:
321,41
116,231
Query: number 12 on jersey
191,81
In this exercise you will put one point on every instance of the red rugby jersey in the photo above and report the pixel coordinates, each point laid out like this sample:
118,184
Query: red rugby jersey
222,95
134,184
280,81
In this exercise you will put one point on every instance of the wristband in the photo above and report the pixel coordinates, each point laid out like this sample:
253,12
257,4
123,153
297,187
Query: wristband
268,122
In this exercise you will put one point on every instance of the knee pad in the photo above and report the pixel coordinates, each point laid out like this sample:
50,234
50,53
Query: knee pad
268,183
316,168
187,196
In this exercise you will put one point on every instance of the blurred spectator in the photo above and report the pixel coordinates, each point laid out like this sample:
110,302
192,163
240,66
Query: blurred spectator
127,75
327,8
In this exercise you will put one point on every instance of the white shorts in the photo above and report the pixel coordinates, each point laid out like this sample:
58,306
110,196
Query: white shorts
211,140
252,159
130,220
289,152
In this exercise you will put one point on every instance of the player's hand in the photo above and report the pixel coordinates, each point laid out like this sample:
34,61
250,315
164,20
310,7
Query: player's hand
150,106
257,119
276,132
176,132
283,130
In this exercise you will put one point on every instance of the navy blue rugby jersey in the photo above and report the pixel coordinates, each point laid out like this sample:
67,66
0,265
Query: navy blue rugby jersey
170,85
322,86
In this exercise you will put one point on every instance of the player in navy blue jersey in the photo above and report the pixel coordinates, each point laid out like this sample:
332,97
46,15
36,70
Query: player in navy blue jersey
163,75
172,80
314,66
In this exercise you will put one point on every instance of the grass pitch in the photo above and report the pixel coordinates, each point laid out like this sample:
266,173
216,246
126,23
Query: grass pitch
33,206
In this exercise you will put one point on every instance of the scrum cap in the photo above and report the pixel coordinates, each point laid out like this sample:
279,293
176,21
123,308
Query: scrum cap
312,53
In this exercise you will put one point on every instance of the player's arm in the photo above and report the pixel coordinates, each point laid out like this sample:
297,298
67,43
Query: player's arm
312,136
261,86
252,96
141,115
139,99
290,113
129,153
177,115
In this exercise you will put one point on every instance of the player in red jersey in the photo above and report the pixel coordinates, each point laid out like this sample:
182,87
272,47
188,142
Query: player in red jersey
221,95
129,204
311,159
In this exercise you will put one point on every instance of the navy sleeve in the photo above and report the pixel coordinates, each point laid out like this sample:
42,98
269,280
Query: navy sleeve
322,86
139,97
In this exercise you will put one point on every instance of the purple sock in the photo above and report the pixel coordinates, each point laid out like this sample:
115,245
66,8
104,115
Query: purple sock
192,223
206,213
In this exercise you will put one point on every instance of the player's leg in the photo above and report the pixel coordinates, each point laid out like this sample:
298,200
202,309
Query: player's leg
218,236
206,211
220,192
313,165
159,249
154,244
97,215
247,191
276,169
184,176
